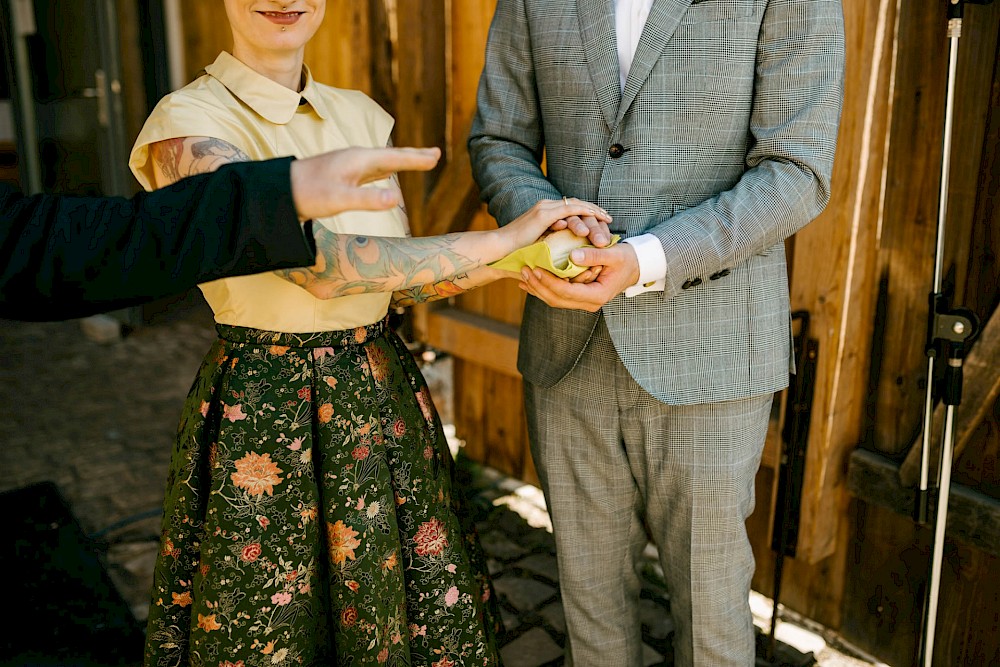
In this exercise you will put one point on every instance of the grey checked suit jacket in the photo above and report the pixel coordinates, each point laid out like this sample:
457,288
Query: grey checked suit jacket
728,124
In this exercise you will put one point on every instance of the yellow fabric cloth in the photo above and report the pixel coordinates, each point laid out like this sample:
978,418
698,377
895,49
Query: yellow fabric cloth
232,102
541,255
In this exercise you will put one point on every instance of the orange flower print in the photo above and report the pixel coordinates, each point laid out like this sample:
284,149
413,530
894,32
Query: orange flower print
378,363
444,662
332,382
353,585
233,413
390,562
309,513
349,617
168,547
305,393
360,452
278,350
226,663
399,428
325,413
342,544
360,335
431,538
383,655
182,599
447,288
204,409
257,474
208,623
269,649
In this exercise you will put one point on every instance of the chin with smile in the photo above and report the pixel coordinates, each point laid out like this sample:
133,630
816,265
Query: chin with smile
270,35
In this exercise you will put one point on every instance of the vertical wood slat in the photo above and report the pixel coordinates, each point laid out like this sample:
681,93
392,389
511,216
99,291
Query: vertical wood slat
909,225
206,33
833,273
977,67
982,289
341,50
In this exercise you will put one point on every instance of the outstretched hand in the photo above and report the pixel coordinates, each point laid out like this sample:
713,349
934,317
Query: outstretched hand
620,269
331,183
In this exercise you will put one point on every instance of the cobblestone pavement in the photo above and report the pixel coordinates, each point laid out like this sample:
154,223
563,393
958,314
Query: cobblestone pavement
98,420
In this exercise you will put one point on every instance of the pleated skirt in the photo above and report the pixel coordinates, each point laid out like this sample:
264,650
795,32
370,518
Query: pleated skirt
310,518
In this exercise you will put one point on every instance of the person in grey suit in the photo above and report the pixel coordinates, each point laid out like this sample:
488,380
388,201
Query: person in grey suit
707,128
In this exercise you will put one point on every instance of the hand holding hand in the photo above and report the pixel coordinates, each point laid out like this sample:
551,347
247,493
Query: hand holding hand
331,183
545,214
587,226
618,269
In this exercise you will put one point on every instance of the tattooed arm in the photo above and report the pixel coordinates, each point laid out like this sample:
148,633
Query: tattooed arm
418,269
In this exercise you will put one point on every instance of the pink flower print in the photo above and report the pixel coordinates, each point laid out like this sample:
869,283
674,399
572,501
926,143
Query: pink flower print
281,599
399,428
321,352
233,413
426,405
360,452
451,568
428,452
445,661
263,521
251,552
383,655
451,597
417,631
297,443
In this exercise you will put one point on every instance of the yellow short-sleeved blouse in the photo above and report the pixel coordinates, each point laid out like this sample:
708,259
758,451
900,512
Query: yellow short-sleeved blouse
265,120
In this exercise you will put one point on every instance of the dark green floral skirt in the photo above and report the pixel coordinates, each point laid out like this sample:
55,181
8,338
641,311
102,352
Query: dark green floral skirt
309,516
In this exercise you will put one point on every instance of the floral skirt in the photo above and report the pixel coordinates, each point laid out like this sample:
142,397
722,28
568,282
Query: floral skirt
309,515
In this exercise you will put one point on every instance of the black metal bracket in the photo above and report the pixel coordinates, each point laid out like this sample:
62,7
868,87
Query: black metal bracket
794,437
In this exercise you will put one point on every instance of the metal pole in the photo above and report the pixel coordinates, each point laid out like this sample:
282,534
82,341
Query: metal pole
941,519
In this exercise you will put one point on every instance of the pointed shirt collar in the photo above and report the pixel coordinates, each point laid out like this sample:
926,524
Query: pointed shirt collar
267,98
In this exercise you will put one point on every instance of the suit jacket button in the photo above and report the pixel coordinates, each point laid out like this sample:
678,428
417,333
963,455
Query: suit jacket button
616,151
691,282
720,274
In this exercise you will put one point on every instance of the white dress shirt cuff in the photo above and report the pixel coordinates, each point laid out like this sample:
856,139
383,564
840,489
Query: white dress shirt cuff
652,264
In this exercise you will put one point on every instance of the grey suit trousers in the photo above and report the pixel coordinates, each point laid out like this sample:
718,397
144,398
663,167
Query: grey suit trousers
619,467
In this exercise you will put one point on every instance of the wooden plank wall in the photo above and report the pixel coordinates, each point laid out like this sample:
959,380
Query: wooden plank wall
862,270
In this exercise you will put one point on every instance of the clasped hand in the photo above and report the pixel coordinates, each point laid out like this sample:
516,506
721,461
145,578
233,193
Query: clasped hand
610,270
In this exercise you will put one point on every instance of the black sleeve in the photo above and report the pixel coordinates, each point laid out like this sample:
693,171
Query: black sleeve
63,256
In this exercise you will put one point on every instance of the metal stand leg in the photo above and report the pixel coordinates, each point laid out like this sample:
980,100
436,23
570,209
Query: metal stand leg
950,332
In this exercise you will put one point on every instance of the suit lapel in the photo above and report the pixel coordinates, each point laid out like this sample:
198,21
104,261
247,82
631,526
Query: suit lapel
664,16
597,27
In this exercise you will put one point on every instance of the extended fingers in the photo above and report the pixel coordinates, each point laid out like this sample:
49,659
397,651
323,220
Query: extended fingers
571,206
589,226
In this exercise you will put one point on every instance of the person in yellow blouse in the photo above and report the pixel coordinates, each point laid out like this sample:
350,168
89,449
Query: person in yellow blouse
309,515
